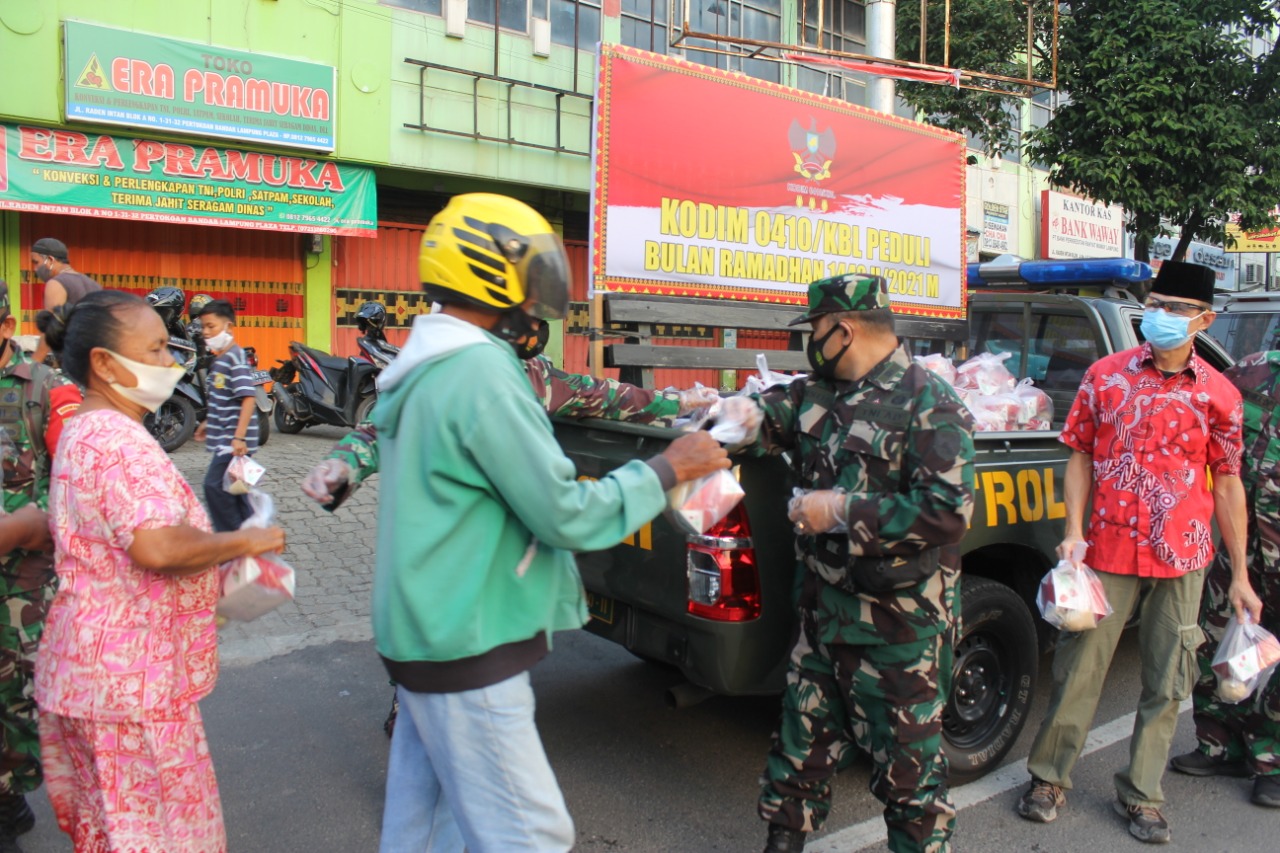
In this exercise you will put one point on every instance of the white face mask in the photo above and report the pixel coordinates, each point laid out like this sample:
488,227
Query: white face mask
219,342
155,383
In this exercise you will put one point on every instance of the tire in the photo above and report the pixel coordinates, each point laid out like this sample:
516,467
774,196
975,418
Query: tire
173,423
285,422
264,428
993,678
365,407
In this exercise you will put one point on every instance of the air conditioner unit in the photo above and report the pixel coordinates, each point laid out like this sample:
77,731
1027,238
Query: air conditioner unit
541,37
1252,273
455,18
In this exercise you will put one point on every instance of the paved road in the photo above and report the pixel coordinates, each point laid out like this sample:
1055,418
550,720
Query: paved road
295,729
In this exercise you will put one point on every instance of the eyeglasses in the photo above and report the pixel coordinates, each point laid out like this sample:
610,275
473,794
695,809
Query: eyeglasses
1182,309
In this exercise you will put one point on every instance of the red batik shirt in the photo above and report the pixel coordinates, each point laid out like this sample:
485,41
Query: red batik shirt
1152,440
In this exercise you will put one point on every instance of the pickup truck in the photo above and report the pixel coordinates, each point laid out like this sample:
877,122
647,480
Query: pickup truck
718,606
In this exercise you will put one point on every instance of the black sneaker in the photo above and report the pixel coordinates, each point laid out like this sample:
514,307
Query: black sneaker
8,843
1266,791
1042,801
783,840
1196,763
16,816
1145,823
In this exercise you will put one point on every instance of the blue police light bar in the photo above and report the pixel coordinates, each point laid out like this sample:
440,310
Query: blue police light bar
1009,270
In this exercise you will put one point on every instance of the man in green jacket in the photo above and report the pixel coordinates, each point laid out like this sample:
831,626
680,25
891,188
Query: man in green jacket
480,512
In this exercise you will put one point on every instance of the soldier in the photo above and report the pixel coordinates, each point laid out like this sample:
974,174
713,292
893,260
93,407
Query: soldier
34,402
883,450
1243,739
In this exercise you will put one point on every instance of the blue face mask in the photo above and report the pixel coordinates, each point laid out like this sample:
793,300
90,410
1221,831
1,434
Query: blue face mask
1164,330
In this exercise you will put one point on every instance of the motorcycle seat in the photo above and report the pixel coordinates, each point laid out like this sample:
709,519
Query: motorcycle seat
326,361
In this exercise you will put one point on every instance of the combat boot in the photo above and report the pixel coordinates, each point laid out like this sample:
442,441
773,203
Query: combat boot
16,816
783,840
9,844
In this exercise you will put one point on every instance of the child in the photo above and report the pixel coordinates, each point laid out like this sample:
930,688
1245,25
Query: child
231,428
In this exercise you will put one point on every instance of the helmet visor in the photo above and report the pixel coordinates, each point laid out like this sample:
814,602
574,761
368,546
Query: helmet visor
544,270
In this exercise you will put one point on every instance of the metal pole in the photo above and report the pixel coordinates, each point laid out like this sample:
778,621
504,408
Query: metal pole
880,37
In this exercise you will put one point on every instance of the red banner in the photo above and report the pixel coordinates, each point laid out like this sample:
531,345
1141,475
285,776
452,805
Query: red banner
716,184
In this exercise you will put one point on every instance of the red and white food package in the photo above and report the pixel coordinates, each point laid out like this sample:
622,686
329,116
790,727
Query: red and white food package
939,364
1071,597
992,413
242,475
252,586
986,374
698,504
1035,407
1247,654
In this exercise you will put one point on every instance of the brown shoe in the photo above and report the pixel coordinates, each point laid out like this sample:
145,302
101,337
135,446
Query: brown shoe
1146,823
1042,801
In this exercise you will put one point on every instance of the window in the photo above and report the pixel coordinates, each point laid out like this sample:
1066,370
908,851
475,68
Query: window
1246,332
576,23
644,25
429,7
844,29
512,14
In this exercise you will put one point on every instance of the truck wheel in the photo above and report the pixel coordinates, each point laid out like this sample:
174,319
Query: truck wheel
993,678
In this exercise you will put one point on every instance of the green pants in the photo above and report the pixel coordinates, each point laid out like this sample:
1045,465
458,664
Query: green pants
889,699
21,622
1168,636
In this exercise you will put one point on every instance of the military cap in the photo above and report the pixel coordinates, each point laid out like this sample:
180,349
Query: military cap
844,293
1190,281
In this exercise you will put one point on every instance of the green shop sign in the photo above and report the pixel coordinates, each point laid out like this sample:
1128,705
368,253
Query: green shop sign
145,81
84,174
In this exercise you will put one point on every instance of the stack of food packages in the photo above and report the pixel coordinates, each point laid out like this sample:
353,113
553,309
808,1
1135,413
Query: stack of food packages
997,400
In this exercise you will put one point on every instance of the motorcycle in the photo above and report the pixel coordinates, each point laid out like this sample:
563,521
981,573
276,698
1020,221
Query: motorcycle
313,387
176,420
376,350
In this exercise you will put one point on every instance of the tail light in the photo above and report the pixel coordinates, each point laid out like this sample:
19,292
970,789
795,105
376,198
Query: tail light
724,583
251,356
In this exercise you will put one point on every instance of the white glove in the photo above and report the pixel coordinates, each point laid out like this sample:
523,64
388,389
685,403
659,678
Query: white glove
698,398
325,479
738,421
824,511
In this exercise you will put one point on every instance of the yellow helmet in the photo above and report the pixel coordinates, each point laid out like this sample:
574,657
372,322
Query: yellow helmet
495,252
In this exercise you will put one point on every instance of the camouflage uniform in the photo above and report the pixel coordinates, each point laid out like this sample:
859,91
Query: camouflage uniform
34,402
873,665
1249,730
562,395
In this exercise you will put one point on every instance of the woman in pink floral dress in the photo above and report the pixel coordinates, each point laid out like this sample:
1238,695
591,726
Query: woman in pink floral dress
129,646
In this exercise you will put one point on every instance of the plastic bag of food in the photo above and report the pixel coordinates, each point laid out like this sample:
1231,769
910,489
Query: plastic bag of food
252,586
765,378
1071,596
939,364
1035,408
992,413
698,504
242,475
1247,654
986,374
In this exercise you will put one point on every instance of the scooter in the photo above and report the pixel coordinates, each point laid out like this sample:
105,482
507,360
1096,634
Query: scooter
313,387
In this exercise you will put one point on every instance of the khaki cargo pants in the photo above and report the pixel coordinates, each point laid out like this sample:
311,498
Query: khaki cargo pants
1168,636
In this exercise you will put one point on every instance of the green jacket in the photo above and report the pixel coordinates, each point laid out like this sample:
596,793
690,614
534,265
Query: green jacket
477,524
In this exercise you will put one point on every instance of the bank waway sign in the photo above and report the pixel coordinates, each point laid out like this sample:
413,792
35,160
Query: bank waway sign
713,184
145,81
120,177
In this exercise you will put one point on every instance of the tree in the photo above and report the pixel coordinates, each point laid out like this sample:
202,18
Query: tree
1172,115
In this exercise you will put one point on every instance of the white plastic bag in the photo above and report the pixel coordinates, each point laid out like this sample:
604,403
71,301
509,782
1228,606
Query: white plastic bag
242,475
252,586
1035,408
1071,596
939,364
1245,658
698,504
986,374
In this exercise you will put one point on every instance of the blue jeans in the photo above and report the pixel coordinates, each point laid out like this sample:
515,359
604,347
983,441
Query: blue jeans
467,770
226,511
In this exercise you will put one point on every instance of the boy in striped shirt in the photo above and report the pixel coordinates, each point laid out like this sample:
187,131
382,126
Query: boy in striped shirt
231,427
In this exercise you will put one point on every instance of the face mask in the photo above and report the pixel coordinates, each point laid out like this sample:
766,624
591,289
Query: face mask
534,344
43,272
823,366
219,342
155,383
1165,331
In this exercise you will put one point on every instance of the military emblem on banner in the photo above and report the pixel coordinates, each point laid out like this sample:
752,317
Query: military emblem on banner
813,151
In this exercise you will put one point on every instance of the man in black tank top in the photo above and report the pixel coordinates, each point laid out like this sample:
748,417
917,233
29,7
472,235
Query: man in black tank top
62,284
